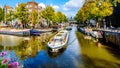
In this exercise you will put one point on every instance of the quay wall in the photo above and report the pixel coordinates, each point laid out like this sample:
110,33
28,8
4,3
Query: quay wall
108,36
113,37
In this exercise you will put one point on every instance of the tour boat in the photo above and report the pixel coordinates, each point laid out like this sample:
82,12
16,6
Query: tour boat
58,41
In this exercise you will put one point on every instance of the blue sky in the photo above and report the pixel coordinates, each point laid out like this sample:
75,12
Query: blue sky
68,7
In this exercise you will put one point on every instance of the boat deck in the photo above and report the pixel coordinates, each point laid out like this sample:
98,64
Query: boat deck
59,40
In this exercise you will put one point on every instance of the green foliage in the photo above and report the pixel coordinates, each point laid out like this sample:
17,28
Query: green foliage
22,13
55,18
94,9
48,13
113,2
106,9
34,17
1,14
64,18
2,66
81,16
118,1
10,16
60,17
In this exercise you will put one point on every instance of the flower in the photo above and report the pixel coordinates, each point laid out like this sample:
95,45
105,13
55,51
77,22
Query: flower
3,53
4,61
13,65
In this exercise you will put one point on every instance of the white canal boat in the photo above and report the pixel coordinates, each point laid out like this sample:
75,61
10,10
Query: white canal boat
58,41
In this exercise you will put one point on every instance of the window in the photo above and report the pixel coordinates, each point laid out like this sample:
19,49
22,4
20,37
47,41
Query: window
30,6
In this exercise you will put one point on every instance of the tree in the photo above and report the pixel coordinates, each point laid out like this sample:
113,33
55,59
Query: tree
82,15
60,17
34,17
1,14
64,18
105,9
10,16
55,18
22,14
48,13
97,9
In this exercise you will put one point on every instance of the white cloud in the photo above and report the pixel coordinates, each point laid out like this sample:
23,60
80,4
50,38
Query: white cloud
56,7
73,4
70,13
42,4
66,9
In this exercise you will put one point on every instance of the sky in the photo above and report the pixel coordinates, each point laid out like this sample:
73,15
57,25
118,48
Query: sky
68,7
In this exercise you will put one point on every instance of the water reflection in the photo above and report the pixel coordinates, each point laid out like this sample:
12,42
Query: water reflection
8,40
66,58
55,54
33,53
24,47
96,57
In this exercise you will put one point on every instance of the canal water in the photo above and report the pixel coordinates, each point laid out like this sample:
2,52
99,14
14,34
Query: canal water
30,54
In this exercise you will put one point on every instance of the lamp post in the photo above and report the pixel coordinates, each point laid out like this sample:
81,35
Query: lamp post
104,24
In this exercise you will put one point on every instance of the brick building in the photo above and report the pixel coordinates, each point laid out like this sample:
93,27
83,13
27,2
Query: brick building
33,6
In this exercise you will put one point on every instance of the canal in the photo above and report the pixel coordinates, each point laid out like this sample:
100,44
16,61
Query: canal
81,53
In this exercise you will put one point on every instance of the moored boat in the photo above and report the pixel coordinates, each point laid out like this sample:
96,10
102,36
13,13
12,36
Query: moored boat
20,32
17,32
58,41
34,32
69,28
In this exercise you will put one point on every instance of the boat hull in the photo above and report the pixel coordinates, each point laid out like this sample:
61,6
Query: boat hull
18,33
57,49
54,47
24,32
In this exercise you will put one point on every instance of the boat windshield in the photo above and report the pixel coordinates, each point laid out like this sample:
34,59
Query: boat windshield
57,40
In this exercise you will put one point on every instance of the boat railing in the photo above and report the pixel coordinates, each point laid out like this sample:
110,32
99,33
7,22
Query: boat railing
65,37
61,39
